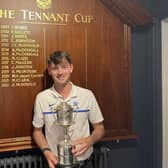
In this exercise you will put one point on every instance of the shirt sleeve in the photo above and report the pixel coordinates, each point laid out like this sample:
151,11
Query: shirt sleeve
38,118
95,115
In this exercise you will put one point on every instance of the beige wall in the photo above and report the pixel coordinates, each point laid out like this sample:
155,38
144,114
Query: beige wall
165,91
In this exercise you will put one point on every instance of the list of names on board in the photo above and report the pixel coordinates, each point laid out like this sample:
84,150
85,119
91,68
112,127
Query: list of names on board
18,51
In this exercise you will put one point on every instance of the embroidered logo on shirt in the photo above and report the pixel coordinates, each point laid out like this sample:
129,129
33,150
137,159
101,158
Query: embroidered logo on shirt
75,103
50,105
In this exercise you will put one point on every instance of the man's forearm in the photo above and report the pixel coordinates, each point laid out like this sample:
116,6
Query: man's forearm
42,143
40,139
97,133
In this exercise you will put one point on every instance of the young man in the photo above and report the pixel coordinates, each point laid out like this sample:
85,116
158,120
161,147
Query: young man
60,69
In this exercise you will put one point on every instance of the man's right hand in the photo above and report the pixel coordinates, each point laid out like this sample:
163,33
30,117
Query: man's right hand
51,158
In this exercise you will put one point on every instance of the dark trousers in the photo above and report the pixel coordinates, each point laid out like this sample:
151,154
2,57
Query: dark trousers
87,164
82,164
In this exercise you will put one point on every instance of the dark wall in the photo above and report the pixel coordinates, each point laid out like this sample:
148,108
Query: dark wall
158,8
139,153
146,151
142,101
150,5
161,9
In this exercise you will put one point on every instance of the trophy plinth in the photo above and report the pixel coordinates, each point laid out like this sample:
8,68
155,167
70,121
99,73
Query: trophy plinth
64,118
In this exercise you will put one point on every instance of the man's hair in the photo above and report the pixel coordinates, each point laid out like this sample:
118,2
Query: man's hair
58,57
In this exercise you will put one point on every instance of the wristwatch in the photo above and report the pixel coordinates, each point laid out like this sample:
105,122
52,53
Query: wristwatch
45,149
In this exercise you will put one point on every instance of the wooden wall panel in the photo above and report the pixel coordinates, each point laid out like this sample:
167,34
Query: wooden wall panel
100,52
16,101
71,39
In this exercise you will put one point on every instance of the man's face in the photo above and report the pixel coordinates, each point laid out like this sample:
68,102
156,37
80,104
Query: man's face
60,73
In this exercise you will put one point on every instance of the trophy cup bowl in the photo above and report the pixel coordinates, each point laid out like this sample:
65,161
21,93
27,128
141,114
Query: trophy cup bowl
64,114
64,118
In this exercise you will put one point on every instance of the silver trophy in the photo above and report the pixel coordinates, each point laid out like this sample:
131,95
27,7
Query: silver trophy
64,118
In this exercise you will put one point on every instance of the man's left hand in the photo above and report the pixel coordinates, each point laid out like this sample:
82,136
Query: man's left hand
81,145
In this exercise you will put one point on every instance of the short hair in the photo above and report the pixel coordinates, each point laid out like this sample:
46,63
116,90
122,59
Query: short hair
58,57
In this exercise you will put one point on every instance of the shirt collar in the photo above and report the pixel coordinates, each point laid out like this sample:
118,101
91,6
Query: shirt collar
71,95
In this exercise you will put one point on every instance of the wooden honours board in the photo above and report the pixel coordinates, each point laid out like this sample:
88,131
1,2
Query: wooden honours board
100,47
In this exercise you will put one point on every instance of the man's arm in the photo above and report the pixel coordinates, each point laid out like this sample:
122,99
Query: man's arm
83,144
42,143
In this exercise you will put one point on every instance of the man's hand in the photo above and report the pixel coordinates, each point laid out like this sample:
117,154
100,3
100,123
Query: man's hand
81,145
51,158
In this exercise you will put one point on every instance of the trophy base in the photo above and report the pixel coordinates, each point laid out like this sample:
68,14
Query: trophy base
68,166
65,155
